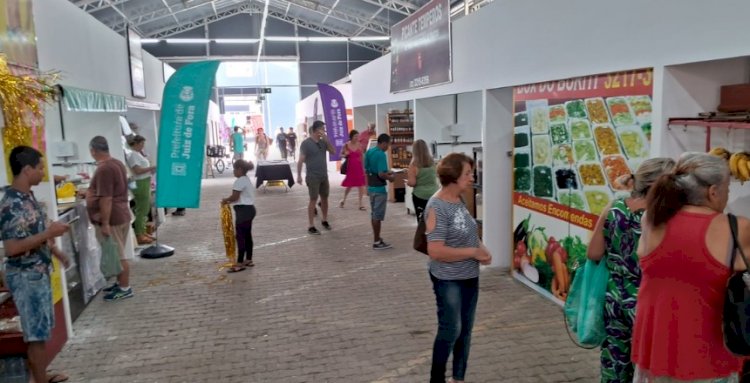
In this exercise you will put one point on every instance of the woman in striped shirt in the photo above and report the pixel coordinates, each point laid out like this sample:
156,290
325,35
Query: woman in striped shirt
455,251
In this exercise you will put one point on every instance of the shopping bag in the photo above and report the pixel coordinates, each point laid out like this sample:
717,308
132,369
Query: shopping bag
736,316
584,308
344,166
110,264
420,238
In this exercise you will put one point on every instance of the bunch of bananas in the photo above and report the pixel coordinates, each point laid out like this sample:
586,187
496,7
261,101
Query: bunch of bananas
739,165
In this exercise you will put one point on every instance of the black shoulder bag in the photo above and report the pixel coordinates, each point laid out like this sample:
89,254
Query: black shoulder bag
736,319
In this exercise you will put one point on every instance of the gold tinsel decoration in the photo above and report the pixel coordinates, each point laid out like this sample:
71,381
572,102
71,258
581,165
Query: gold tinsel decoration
22,98
227,226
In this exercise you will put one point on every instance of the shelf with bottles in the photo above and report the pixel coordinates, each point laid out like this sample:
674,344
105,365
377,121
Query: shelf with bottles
400,157
402,140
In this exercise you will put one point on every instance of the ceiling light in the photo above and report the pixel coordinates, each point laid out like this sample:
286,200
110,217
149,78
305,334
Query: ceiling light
149,41
286,38
327,39
370,38
187,41
236,41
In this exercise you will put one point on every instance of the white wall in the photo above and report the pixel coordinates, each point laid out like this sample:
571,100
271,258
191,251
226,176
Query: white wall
497,136
693,88
88,54
512,42
431,118
363,116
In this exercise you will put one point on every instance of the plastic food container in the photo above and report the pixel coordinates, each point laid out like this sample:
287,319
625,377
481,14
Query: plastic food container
634,142
541,150
580,129
606,140
597,111
573,199
615,167
597,199
591,174
559,133
585,151
522,180
641,108
620,111
522,158
543,182
520,119
539,121
557,114
521,137
576,109
566,178
562,155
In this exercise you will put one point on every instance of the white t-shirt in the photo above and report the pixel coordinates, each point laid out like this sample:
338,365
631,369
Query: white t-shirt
246,189
137,159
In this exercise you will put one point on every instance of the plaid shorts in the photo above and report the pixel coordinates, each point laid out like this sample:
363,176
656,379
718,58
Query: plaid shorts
32,294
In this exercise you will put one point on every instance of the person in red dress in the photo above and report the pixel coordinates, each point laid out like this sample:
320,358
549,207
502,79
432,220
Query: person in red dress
355,169
684,260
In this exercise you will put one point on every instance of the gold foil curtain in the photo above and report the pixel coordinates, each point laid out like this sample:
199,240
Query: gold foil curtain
22,98
227,226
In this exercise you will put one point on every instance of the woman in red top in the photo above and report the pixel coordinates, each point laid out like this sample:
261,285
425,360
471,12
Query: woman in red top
684,252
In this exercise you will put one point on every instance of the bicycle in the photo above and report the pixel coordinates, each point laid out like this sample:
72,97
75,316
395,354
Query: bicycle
217,153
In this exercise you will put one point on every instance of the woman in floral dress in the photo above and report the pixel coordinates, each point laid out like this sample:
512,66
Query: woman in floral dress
616,236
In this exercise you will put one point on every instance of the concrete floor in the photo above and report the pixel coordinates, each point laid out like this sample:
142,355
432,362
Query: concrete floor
314,308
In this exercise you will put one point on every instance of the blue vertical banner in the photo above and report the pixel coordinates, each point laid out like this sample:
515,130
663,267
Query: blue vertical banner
182,135
334,115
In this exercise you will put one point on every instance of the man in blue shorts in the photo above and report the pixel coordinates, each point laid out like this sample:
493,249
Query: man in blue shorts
376,167
28,240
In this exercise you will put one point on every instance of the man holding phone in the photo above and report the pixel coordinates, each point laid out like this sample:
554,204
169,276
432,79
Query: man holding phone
312,153
376,167
28,239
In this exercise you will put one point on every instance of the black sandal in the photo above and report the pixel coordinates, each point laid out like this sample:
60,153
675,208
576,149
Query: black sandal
236,269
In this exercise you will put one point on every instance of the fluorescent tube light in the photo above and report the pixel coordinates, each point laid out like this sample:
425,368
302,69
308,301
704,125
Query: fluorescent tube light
149,41
286,38
327,39
370,38
187,41
236,41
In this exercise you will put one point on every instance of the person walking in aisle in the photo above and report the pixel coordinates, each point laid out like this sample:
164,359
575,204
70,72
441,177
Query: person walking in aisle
142,170
107,206
237,143
616,237
291,142
243,199
422,176
281,143
262,142
685,251
355,170
28,240
376,167
456,252
312,153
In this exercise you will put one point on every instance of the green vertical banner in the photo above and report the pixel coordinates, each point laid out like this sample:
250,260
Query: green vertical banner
182,135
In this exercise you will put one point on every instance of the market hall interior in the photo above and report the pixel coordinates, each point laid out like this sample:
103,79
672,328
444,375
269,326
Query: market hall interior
322,308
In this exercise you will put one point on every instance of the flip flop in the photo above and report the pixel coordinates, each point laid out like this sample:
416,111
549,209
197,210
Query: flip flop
248,264
57,378
341,205
362,208
236,269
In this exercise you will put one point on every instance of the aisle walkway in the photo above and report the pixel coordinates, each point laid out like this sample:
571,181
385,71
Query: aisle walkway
314,309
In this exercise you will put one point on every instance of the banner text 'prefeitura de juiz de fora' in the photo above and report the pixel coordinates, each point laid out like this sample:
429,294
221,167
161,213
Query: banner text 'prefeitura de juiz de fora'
421,48
182,135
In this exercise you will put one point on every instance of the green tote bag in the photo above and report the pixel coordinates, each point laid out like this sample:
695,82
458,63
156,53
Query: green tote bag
110,264
584,308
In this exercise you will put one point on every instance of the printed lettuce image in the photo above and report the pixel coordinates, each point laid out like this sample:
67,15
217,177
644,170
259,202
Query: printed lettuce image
576,252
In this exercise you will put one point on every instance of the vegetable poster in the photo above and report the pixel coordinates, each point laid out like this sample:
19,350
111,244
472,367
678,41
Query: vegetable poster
573,139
